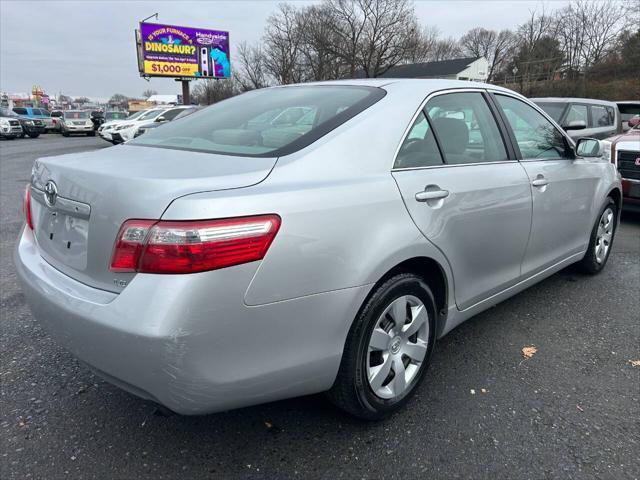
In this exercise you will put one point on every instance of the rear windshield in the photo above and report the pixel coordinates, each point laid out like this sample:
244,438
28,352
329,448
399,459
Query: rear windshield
554,110
629,110
265,123
76,114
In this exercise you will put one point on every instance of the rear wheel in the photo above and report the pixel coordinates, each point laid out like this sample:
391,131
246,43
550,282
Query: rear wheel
34,135
601,239
388,349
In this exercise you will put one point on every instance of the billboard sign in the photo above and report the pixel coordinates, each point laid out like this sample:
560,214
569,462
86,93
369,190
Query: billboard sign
183,52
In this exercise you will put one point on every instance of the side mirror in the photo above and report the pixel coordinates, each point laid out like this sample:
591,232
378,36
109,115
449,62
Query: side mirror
161,119
575,125
633,121
589,147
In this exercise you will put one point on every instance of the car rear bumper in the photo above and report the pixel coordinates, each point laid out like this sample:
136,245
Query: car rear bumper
190,342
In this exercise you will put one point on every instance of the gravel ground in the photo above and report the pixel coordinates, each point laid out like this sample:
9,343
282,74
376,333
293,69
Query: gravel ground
570,411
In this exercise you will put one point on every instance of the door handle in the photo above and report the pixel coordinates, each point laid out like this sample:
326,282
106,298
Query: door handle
540,182
431,195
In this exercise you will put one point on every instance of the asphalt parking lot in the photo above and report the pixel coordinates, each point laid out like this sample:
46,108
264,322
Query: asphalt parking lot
570,411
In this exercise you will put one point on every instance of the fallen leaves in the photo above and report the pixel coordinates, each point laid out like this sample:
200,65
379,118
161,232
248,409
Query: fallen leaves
528,352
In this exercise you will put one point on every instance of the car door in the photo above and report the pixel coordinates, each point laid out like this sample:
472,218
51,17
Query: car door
466,192
602,121
563,188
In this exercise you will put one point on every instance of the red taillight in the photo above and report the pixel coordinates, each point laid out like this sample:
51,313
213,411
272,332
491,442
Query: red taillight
150,246
26,206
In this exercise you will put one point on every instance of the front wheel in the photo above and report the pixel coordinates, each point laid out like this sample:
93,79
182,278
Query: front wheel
65,134
387,350
34,135
601,239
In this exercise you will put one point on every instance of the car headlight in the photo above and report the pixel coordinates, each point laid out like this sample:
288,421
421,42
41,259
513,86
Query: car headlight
28,122
4,122
122,127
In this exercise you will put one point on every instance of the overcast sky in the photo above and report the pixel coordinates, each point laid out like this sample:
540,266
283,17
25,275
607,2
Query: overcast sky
87,47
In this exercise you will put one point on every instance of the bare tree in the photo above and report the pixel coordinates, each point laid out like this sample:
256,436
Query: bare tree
282,41
319,44
252,71
148,93
445,49
209,91
492,45
422,45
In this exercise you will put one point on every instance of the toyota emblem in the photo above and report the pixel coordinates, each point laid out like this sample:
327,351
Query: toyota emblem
638,162
50,193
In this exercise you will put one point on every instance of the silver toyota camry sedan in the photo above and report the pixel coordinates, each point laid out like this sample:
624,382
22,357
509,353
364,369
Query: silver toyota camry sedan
307,238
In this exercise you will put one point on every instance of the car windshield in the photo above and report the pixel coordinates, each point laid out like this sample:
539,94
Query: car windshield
116,116
4,112
76,115
553,109
628,110
267,122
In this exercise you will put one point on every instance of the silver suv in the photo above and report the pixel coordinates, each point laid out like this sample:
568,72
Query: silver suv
583,117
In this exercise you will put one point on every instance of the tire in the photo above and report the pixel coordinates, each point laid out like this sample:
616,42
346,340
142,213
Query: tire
34,135
364,358
602,236
65,134
91,134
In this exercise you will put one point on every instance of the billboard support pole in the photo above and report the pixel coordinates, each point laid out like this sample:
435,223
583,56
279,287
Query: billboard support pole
185,93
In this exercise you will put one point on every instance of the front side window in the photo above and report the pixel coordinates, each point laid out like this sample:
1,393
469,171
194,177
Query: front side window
419,148
536,136
628,110
553,109
465,128
20,110
149,115
171,114
600,117
267,122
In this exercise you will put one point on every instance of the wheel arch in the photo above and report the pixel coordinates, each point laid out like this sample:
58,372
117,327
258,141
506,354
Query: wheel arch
433,274
616,195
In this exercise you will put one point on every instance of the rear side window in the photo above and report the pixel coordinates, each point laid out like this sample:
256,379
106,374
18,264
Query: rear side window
419,148
536,136
465,128
265,123
20,110
600,116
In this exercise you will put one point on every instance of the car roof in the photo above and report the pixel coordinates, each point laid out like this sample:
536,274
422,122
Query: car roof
432,84
572,100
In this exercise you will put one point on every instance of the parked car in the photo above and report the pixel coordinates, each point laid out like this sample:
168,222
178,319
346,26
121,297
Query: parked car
108,129
624,151
629,113
9,126
37,114
56,118
128,129
76,121
583,117
31,127
181,114
209,266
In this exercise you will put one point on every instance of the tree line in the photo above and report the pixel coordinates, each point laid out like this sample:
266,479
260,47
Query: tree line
583,41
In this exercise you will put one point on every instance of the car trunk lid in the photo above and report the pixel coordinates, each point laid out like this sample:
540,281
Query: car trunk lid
79,201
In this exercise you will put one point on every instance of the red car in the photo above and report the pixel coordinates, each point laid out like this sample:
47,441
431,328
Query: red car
624,151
